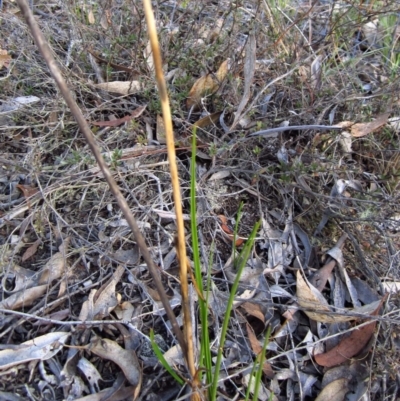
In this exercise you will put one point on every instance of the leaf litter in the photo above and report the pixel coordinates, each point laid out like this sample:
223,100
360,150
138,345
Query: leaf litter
298,180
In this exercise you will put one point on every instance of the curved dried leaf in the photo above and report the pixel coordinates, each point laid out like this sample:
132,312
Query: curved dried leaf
120,395
100,303
248,70
21,279
174,356
118,121
256,347
53,269
125,359
91,373
223,70
5,59
316,72
362,129
31,250
320,277
349,346
40,348
309,297
254,310
25,297
334,391
120,87
208,120
206,85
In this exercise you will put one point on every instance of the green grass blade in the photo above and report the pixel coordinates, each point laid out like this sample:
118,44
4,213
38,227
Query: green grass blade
163,361
261,360
205,349
243,259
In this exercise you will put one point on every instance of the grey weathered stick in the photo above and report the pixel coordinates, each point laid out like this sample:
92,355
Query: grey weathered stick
84,127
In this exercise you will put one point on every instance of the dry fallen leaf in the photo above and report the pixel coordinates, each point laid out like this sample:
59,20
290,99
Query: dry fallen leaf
309,297
349,346
362,129
27,190
31,250
125,393
316,72
103,301
256,347
160,130
91,374
5,59
248,70
40,348
53,269
125,359
334,391
120,87
148,56
254,310
227,230
90,17
206,121
118,121
320,277
23,298
206,85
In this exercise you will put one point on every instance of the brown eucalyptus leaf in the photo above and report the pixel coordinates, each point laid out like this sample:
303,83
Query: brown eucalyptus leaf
256,347
119,121
206,85
206,121
125,359
349,346
254,310
31,250
90,17
362,129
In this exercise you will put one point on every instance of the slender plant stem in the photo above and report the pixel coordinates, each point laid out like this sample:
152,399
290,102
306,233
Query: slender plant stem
205,351
169,136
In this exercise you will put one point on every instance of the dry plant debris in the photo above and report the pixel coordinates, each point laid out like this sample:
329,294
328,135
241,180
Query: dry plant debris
78,303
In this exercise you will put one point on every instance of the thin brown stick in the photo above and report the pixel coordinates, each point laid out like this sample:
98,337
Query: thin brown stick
169,134
84,127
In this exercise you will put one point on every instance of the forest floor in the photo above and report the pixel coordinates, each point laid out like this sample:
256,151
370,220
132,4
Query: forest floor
263,82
